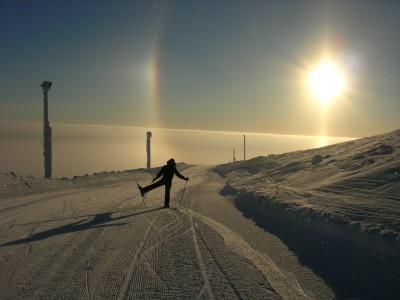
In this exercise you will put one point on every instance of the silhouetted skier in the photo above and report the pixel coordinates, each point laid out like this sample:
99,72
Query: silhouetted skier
168,171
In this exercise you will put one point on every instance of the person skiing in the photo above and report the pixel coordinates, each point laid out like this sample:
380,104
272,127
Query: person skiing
167,171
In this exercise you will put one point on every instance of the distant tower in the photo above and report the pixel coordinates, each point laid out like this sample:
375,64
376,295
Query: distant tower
149,135
46,86
244,147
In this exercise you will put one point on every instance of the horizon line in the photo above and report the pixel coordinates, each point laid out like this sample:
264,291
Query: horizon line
179,129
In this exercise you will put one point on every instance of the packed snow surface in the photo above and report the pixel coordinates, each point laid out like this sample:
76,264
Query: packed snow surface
314,224
353,185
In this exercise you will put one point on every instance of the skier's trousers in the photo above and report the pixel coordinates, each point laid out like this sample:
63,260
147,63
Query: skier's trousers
158,184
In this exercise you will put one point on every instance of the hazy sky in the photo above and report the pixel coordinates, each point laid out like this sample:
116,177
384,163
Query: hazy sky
85,149
210,65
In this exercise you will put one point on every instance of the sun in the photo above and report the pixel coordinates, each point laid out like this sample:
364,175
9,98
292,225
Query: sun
326,82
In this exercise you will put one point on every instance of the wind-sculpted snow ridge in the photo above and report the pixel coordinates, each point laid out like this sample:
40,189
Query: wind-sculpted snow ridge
13,184
351,189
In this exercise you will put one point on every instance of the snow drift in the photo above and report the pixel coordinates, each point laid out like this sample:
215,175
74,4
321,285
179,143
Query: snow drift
349,191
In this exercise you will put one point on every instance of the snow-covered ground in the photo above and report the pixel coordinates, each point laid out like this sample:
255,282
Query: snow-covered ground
354,186
315,224
341,202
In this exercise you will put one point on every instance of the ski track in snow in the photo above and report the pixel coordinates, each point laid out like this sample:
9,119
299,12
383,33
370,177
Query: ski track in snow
206,276
285,284
98,243
131,269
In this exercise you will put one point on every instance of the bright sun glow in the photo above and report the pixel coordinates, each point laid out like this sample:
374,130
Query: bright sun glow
326,82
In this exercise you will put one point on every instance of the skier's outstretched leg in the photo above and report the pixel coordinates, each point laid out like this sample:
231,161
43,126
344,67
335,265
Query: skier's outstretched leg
144,190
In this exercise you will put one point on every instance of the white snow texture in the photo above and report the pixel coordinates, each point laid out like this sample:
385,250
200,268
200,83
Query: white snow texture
317,224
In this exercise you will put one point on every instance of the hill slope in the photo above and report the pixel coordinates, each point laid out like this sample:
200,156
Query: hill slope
349,190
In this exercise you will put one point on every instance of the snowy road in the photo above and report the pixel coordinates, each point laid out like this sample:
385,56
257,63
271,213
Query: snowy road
97,243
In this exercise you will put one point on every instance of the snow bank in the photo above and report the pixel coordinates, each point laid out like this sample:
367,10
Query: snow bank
349,191
12,184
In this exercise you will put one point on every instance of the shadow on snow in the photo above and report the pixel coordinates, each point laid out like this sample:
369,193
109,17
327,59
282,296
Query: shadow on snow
350,271
98,221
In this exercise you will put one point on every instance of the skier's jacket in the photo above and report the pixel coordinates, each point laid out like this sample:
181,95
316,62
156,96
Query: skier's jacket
168,171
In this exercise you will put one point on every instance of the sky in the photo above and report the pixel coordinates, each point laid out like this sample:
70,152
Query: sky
211,65
237,66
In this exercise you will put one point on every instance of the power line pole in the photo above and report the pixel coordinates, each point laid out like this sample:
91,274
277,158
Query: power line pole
244,147
148,150
46,86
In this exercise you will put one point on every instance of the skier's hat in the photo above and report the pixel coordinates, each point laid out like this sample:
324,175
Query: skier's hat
171,162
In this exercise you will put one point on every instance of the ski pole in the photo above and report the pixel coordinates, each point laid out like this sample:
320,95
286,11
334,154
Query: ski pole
143,200
144,196
182,193
134,177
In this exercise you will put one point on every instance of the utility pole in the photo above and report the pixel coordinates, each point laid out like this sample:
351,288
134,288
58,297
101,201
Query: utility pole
46,86
149,135
244,147
233,158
